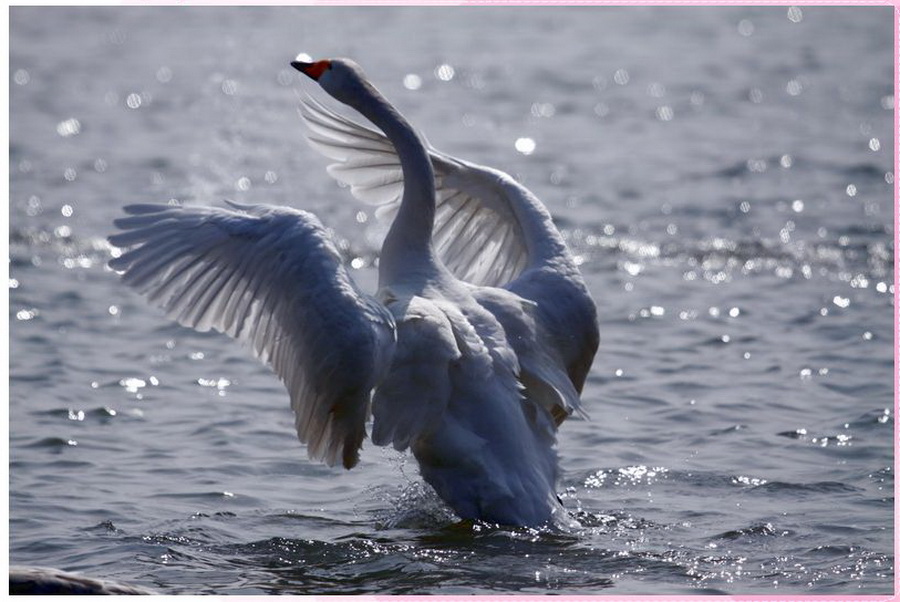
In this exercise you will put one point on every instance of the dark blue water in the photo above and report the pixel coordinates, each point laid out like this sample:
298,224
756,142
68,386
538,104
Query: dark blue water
725,175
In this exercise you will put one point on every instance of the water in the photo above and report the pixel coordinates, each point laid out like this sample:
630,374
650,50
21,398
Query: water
724,173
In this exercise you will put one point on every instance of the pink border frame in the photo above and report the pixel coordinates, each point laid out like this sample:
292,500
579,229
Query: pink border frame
896,225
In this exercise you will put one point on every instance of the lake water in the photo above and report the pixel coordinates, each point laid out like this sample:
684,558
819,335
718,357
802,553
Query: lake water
725,174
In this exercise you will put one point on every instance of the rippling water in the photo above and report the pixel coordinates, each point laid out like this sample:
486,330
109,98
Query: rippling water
725,174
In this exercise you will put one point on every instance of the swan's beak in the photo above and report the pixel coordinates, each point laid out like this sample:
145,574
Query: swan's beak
313,70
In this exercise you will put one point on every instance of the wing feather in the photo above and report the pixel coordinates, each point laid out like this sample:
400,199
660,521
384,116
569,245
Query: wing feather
272,278
489,231
467,194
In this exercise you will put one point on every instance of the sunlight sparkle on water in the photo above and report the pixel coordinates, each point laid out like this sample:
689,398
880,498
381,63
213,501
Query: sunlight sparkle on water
26,314
842,302
133,385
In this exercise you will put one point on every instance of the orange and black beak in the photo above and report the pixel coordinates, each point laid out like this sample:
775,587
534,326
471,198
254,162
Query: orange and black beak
313,70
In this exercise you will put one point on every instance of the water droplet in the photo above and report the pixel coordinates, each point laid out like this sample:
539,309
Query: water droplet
229,87
795,14
867,336
786,161
133,101
797,206
665,113
21,77
196,355
444,72
734,312
726,338
874,144
13,283
412,81
745,27
621,77
67,210
656,90
69,127
745,207
619,372
525,146
794,87
303,58
755,95
543,109
851,190
113,310
70,174
163,75
243,184
757,165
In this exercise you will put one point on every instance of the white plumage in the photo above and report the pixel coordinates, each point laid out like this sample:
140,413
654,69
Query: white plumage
475,347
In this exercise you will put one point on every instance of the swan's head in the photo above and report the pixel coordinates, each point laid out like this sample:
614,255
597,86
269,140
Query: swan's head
341,78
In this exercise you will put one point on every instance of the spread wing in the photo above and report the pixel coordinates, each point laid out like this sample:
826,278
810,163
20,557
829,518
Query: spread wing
489,231
273,278
478,230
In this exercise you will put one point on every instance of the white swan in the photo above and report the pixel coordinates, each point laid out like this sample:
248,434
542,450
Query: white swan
474,349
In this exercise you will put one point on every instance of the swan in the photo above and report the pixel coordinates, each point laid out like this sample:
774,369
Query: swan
472,352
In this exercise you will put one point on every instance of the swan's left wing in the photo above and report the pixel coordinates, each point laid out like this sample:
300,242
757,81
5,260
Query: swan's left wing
271,277
478,232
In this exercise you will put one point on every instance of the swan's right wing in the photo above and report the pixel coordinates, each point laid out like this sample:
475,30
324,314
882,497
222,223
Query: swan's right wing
271,277
478,231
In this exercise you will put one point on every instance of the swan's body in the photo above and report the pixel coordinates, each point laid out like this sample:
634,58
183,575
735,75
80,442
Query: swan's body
474,349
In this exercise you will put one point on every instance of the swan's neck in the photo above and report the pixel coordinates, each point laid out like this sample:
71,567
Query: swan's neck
407,251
